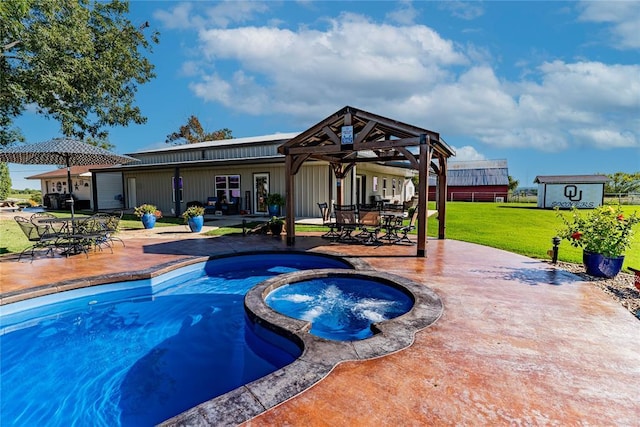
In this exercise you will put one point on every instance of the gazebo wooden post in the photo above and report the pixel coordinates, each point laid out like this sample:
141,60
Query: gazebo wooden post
290,201
423,194
442,196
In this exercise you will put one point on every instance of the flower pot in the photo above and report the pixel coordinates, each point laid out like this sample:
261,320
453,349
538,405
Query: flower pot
195,223
274,210
599,265
276,229
148,220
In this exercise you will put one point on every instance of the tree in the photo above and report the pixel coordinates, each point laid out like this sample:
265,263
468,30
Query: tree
623,183
513,183
5,181
102,143
75,61
193,132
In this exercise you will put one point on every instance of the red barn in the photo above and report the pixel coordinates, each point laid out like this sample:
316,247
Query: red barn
475,181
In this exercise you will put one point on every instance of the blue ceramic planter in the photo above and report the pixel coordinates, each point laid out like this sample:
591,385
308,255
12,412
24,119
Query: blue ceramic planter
148,220
601,266
195,223
274,210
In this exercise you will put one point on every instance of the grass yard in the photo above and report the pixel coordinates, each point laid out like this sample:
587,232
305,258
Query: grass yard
12,240
520,228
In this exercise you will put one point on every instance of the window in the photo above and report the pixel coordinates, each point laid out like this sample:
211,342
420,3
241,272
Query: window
384,187
227,186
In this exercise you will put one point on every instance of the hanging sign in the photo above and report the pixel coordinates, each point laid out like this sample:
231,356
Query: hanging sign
347,135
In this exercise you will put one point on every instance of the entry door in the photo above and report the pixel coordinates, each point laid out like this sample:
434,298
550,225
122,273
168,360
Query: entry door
260,191
131,193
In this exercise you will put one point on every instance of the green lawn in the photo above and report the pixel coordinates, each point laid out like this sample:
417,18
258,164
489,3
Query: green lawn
12,240
519,228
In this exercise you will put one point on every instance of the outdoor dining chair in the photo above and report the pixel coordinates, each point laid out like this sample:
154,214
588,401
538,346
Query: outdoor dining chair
89,233
403,231
369,221
346,222
328,221
41,236
110,223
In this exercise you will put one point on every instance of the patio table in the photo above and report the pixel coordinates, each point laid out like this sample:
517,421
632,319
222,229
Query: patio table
390,220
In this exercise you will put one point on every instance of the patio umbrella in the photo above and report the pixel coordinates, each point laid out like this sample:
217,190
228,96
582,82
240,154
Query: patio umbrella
62,151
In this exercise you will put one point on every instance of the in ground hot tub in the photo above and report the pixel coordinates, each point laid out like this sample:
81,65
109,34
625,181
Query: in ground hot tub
341,307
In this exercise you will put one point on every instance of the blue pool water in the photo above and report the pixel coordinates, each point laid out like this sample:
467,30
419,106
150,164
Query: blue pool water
137,353
340,308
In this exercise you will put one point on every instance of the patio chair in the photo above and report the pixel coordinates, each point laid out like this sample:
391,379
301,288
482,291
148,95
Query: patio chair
346,222
403,231
211,206
38,216
111,224
328,221
369,221
88,233
41,236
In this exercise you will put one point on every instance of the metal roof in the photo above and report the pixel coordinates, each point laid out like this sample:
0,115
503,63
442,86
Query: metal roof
476,173
571,179
223,143
62,172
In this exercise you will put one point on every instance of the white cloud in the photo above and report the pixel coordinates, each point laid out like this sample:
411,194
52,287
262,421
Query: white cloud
623,15
413,73
405,14
607,138
463,9
183,16
176,18
468,153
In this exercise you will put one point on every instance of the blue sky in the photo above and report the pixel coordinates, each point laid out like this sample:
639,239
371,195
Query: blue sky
552,87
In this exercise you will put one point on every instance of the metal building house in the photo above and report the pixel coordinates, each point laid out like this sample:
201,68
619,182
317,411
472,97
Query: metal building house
242,170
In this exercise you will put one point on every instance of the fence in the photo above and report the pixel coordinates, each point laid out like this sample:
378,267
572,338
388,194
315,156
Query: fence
478,196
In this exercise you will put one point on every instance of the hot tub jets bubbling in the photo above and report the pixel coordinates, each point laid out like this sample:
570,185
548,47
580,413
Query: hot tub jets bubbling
374,312
341,308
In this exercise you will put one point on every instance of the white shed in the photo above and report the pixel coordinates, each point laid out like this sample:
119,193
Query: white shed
565,191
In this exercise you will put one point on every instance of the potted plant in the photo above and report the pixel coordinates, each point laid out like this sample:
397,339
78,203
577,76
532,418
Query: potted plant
604,234
148,214
274,201
276,225
194,218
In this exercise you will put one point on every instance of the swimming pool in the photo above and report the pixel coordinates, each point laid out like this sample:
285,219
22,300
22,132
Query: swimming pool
137,353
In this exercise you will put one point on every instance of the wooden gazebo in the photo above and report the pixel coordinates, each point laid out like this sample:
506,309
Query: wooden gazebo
342,140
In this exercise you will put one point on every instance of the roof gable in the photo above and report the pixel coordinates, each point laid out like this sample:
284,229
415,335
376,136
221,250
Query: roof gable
385,137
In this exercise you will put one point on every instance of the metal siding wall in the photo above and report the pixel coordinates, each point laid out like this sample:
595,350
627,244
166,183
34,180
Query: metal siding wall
311,188
199,183
154,187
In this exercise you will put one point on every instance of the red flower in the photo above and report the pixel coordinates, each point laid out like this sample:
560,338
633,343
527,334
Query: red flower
620,217
576,236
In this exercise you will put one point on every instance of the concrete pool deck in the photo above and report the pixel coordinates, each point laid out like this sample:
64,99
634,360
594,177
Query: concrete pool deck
518,343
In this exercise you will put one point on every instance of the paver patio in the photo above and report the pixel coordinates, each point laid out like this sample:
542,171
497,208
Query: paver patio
519,342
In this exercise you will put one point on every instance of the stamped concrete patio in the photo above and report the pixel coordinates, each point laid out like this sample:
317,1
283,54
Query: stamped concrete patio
519,342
